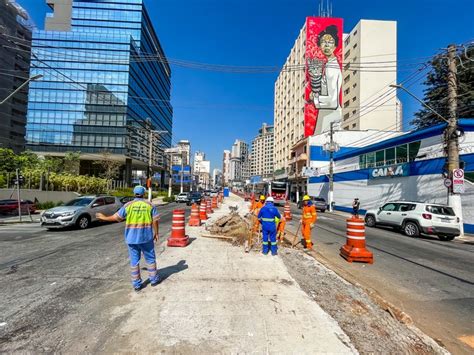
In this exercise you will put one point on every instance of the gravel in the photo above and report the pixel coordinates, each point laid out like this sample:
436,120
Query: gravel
371,328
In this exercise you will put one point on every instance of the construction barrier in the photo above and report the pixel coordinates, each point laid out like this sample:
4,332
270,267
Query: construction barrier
354,249
178,233
194,221
287,211
203,211
209,207
214,203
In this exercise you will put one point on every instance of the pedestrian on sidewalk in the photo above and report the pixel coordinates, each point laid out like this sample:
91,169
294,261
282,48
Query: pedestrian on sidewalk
141,231
308,221
269,218
355,207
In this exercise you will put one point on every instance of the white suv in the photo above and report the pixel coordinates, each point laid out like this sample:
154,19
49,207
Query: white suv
415,218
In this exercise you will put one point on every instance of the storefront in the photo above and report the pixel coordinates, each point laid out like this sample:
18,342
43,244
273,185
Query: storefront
407,167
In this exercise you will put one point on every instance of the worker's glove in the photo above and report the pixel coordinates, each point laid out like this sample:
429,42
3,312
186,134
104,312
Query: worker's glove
312,225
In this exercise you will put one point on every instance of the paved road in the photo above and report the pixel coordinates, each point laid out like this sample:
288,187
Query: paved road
46,276
430,280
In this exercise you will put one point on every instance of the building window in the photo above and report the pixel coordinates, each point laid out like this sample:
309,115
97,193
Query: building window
353,125
346,116
347,78
354,85
348,53
346,104
354,98
347,91
354,46
347,41
355,32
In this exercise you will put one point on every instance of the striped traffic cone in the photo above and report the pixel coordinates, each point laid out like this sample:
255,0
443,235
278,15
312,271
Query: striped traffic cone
194,221
209,207
354,249
287,211
203,211
178,230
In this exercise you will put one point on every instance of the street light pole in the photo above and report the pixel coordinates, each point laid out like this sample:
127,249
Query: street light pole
33,78
450,133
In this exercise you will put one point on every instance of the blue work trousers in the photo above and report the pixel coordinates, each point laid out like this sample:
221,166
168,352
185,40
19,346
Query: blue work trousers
269,240
134,252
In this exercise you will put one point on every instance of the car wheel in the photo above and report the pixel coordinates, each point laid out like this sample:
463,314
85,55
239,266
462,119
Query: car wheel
411,229
83,222
370,221
322,211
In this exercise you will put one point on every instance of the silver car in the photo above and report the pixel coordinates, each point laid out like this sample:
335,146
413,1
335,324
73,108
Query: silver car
79,212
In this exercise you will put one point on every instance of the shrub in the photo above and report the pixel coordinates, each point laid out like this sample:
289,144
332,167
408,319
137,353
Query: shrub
169,199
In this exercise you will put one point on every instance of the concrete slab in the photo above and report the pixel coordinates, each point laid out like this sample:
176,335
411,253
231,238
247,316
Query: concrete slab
225,301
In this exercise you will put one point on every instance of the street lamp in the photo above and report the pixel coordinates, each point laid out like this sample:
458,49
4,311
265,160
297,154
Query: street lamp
399,86
33,78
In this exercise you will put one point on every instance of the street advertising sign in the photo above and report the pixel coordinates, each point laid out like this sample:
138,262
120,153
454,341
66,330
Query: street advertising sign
458,181
255,179
448,183
323,57
390,171
308,171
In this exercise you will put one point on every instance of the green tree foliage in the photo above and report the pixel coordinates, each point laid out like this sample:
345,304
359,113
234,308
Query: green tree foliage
436,91
72,162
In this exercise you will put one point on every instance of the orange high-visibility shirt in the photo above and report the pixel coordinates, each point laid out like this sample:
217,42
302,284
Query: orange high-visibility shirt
309,214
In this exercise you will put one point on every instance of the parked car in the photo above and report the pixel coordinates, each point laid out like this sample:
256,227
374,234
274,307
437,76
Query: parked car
194,197
79,212
182,197
126,199
10,206
415,218
319,202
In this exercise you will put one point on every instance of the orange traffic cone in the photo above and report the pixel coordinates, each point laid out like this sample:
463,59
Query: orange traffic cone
354,249
203,211
287,211
209,207
178,233
214,203
194,221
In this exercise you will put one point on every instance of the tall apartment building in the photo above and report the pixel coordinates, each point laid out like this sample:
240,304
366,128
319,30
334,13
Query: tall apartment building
364,81
15,39
369,41
261,158
239,163
226,167
96,92
202,170
184,158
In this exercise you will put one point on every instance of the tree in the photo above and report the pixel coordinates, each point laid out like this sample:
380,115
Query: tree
436,91
7,160
110,167
72,161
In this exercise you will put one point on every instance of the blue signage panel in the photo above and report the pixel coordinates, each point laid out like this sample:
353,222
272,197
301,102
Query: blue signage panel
255,179
390,171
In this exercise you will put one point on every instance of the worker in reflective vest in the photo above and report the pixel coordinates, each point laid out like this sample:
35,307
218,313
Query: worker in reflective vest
308,221
269,217
281,229
256,221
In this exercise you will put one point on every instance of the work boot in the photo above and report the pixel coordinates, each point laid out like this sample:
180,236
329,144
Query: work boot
309,245
137,289
265,248
155,282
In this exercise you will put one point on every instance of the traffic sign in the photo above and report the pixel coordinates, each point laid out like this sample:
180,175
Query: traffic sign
458,181
448,183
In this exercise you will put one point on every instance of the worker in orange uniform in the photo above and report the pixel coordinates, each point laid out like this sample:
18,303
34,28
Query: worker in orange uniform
308,221
259,204
281,229
256,222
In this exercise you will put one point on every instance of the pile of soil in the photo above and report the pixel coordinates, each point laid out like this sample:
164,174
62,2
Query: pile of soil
233,226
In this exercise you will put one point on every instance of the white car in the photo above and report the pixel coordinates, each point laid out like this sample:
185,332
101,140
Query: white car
415,218
182,197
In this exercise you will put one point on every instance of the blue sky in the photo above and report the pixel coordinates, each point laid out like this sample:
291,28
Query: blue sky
212,109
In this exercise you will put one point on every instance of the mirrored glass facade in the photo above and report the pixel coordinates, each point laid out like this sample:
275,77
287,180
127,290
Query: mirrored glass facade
102,80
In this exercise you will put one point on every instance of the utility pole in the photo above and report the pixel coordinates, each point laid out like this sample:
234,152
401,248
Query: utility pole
451,136
182,167
150,163
18,192
331,166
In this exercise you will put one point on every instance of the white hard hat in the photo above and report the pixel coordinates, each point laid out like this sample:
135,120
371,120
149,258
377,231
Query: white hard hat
270,199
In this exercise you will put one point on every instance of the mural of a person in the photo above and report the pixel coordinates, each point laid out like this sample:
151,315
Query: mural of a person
325,77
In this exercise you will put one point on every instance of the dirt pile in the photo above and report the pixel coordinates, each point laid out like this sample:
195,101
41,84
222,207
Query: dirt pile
233,226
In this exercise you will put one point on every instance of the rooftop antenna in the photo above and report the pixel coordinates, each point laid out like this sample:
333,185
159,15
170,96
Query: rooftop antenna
325,8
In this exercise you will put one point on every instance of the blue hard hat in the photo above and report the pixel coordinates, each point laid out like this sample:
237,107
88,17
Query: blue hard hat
139,190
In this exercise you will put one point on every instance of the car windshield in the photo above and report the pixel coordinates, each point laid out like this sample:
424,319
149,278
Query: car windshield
79,202
442,210
319,199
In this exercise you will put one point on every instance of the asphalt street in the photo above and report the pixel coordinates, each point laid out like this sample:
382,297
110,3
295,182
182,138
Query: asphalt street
429,279
47,276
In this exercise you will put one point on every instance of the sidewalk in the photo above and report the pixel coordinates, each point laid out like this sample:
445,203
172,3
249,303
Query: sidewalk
221,300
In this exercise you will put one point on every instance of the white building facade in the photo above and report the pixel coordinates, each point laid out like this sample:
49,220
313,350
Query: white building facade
239,163
226,167
261,158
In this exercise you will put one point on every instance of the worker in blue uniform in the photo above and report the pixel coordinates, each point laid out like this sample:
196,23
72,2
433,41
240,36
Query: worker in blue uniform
269,217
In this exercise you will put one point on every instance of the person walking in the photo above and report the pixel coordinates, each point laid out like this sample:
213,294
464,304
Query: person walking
141,231
269,217
308,220
355,207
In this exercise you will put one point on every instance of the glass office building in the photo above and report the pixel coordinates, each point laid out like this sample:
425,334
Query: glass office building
105,83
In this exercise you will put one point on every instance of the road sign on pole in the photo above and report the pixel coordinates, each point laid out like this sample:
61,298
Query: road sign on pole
458,181
448,183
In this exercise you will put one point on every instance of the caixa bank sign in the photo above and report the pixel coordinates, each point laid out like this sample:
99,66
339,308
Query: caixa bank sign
390,171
